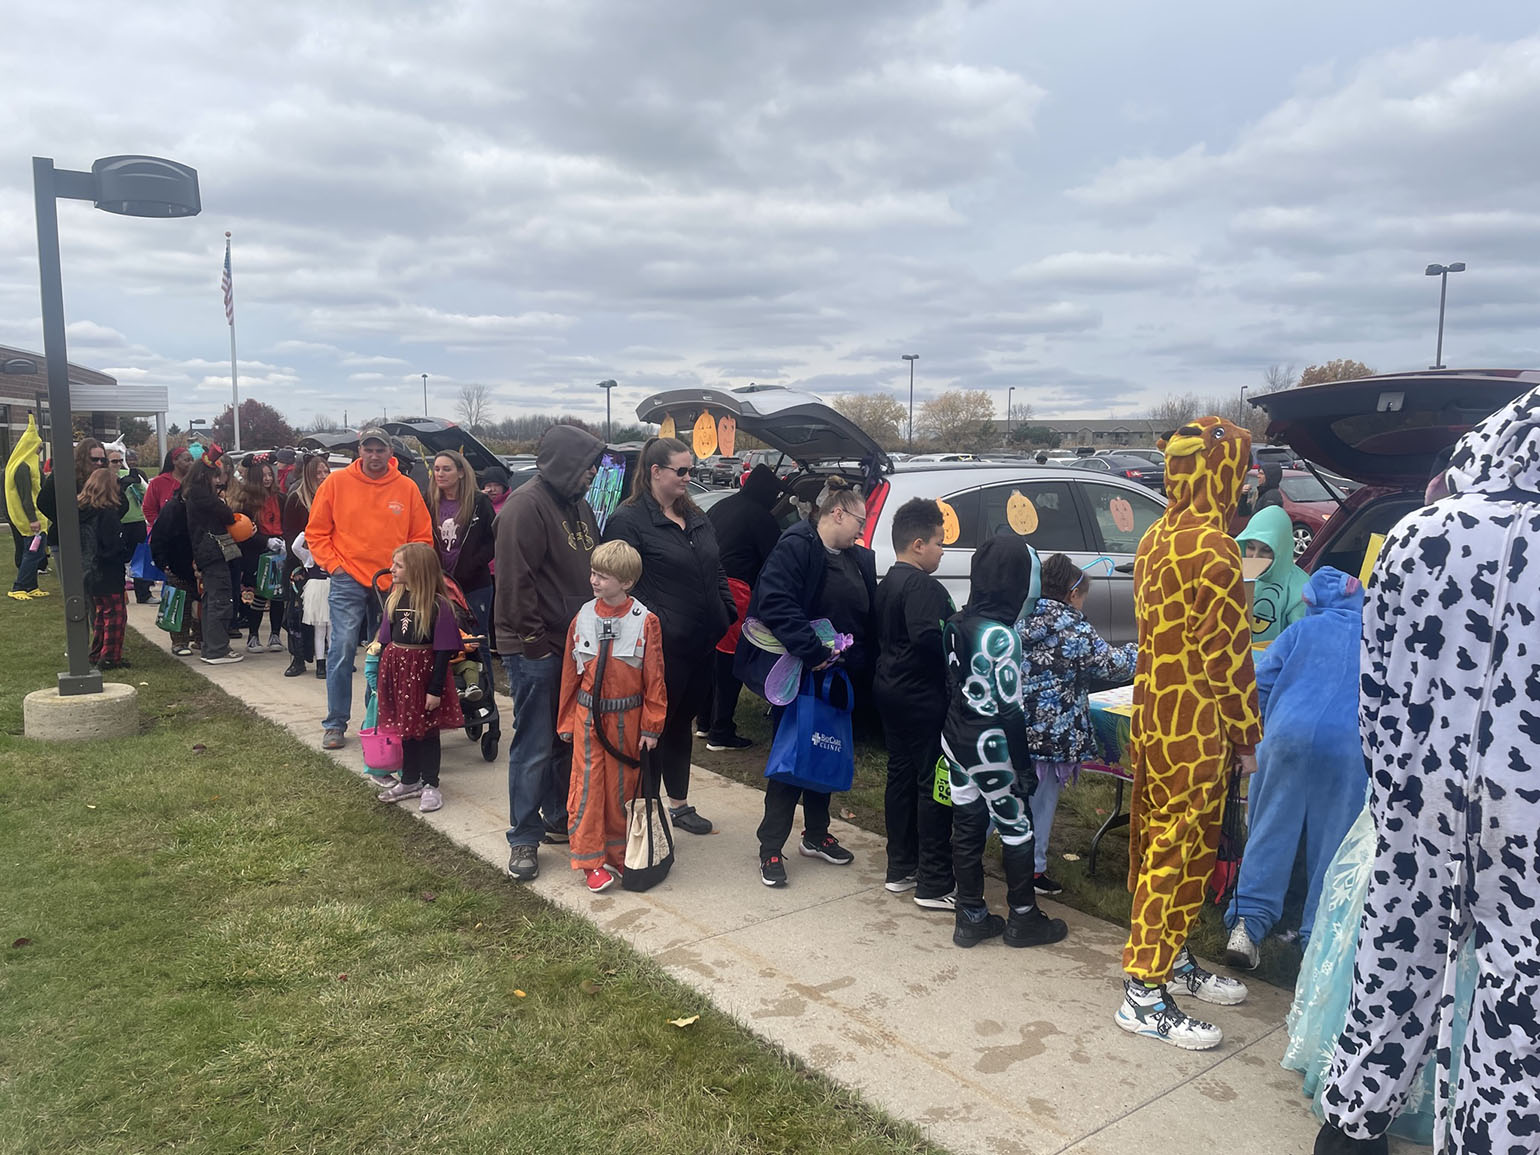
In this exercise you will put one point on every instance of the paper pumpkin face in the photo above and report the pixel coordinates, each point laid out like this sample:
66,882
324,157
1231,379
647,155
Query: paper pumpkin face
1021,514
727,435
1122,514
705,435
668,428
951,530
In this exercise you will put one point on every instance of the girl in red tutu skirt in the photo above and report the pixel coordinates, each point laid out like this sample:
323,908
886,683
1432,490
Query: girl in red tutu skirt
420,637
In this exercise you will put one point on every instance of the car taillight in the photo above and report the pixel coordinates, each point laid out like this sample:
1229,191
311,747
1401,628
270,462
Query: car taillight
874,503
1133,473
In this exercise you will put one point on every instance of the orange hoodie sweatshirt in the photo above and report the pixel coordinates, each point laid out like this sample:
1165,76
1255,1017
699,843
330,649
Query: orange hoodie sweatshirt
357,523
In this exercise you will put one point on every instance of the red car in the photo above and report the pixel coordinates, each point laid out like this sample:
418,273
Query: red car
1385,432
1306,499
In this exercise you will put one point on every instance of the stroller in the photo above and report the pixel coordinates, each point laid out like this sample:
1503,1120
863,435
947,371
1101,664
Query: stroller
471,669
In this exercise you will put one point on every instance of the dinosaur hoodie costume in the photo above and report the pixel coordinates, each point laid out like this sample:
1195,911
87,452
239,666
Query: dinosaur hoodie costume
1195,696
1276,603
1310,779
1450,721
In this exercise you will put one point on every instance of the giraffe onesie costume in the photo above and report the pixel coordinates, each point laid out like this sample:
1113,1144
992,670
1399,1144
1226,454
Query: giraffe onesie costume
1195,696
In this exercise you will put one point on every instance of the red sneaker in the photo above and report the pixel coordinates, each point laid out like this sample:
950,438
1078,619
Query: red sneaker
599,879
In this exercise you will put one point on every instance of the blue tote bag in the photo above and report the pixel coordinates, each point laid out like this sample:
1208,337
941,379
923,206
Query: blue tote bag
813,748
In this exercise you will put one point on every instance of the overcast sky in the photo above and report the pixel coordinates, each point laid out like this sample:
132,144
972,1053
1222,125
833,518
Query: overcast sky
1097,203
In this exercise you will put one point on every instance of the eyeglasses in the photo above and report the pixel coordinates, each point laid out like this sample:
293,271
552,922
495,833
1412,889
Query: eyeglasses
856,517
682,471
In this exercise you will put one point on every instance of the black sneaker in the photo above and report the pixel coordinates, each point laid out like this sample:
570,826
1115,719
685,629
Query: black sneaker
1045,885
554,834
735,742
1033,928
772,870
974,926
826,848
523,863
1331,1141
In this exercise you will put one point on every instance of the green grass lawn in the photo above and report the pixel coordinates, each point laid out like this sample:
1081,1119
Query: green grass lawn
212,939
1083,807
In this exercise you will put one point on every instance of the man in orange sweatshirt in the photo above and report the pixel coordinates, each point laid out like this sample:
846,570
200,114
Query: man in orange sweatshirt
360,516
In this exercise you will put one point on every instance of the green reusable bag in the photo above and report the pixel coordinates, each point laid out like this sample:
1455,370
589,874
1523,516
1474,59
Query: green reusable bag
941,789
270,577
173,609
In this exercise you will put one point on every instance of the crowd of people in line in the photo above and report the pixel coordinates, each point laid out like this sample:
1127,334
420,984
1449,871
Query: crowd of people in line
623,646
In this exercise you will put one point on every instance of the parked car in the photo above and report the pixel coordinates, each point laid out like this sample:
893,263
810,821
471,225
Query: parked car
1384,432
1153,456
719,469
1090,516
778,462
1124,465
1280,455
1308,500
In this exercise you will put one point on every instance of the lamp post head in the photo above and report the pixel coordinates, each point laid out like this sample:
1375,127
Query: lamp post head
910,356
1434,271
605,385
145,186
1457,267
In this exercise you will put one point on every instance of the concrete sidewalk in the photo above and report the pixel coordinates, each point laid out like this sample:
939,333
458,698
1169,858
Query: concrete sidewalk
991,1050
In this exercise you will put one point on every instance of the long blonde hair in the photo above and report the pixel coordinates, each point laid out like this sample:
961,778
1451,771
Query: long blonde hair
421,585
252,494
306,488
465,491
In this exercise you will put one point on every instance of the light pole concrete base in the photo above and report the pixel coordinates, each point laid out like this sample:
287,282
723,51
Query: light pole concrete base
114,713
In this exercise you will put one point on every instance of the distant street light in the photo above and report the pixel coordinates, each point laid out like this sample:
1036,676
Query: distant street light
911,358
133,186
606,386
1243,403
1010,392
424,394
1442,273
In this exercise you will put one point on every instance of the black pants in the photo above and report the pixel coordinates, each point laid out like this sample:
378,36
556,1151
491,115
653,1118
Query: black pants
780,811
135,535
919,828
218,604
687,694
970,831
22,540
724,698
420,760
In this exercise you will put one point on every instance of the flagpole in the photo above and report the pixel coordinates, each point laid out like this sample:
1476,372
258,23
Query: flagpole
235,392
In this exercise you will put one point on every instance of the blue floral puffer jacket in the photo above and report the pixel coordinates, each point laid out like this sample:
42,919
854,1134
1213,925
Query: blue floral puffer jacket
1061,655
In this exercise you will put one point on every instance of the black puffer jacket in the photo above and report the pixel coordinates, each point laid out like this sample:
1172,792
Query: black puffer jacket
473,565
682,580
102,552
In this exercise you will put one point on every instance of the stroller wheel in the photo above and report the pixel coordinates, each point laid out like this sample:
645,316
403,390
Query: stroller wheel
489,746
473,731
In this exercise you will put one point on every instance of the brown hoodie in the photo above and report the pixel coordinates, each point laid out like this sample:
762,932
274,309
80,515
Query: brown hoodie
357,523
546,535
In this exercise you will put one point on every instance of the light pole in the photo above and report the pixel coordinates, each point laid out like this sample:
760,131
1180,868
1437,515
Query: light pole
911,358
606,386
1442,273
1010,393
134,186
424,394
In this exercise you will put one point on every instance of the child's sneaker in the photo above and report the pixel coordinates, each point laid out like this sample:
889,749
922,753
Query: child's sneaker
1241,951
1206,985
430,801
1151,1012
400,792
826,848
598,879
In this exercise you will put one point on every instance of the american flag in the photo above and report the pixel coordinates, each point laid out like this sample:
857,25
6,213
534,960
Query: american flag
228,286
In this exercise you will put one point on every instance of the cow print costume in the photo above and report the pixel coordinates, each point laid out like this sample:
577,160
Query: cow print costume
1450,720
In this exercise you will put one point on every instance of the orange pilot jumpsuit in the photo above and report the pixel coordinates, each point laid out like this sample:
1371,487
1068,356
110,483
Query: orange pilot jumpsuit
627,642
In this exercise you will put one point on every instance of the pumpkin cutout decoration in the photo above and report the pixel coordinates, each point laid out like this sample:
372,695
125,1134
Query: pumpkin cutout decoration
1021,514
951,529
727,435
705,435
668,428
1122,514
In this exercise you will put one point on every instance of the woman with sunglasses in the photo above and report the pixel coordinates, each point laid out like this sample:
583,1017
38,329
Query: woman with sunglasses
1062,655
90,455
683,584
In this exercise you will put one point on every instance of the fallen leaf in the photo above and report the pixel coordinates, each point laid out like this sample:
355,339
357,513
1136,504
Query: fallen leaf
1071,858
476,927
428,896
144,683
611,971
343,977
683,1022
90,806
847,813
589,987
22,942
1099,810
199,748
518,994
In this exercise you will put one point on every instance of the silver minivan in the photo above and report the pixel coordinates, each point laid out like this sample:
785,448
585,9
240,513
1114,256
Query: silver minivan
1055,510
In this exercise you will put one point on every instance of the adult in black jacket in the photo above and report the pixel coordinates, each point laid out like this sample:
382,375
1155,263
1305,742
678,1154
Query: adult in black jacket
683,584
746,531
462,532
90,454
207,518
171,550
102,557
816,570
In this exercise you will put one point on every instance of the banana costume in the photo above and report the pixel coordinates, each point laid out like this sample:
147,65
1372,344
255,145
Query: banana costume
25,454
1195,695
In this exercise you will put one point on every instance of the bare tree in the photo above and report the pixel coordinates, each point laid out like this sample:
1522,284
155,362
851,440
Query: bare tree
879,415
1276,377
474,406
323,424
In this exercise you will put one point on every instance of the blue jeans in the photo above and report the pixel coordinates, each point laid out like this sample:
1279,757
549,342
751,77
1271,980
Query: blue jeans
539,767
352,609
1045,802
480,602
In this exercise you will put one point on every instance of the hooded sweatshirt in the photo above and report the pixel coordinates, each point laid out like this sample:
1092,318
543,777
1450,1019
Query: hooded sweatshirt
357,522
546,535
23,479
746,529
1307,681
1277,601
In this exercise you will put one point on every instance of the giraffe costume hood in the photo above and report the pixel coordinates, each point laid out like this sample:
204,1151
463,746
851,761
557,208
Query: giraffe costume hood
1195,697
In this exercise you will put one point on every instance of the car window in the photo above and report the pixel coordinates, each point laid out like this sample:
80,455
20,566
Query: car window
1122,515
965,507
1041,512
1304,489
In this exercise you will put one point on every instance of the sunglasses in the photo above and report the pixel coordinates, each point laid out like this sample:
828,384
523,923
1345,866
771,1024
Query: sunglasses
98,460
682,471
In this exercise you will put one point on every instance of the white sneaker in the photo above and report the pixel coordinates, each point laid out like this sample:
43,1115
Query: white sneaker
1151,1012
946,902
232,656
899,885
1206,985
431,800
1240,951
400,792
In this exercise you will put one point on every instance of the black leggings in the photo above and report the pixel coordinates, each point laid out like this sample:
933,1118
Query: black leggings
420,760
685,701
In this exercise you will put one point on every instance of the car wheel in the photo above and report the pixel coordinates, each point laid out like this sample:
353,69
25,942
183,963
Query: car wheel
1303,536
